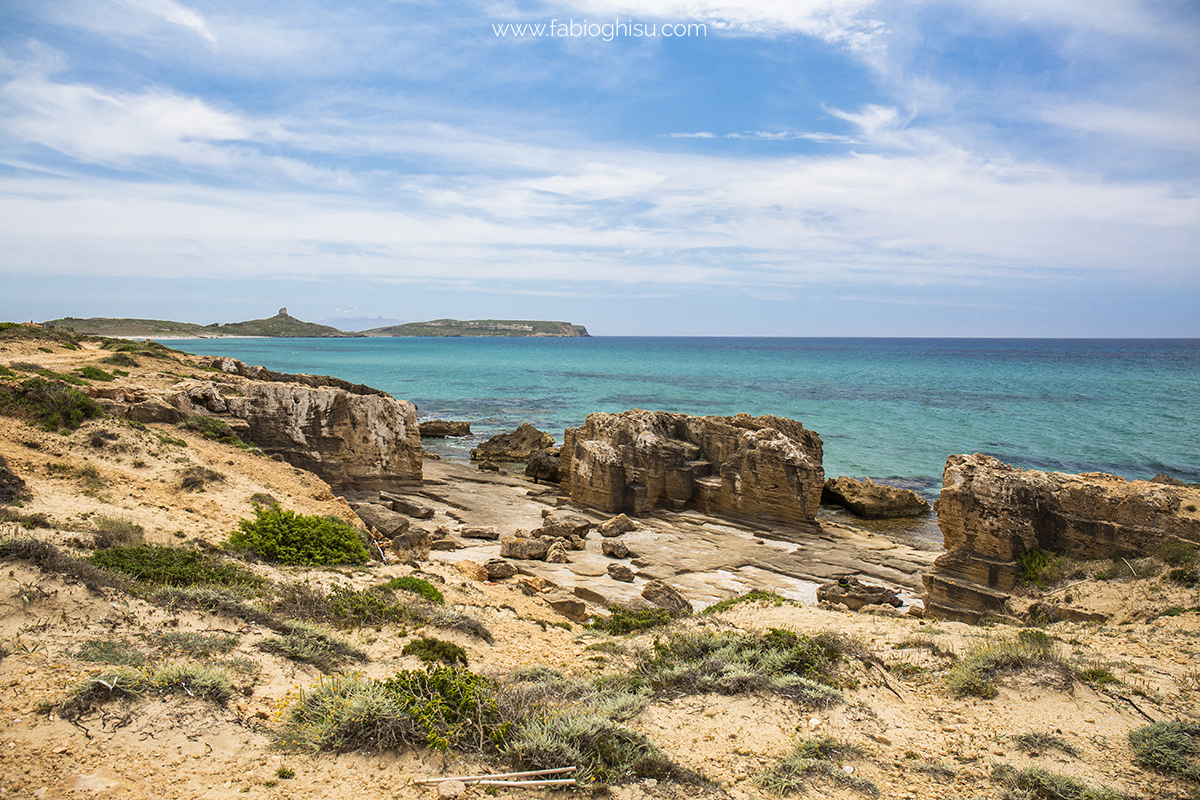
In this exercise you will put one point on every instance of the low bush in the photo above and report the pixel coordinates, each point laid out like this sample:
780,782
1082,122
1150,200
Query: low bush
109,651
417,586
972,674
50,402
623,621
172,566
120,360
753,596
431,650
195,478
816,760
290,538
458,621
1035,783
1040,741
309,645
215,429
1169,746
353,608
113,532
207,684
50,559
1041,568
197,644
93,373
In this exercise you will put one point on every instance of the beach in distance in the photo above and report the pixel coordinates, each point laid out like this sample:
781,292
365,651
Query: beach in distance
890,409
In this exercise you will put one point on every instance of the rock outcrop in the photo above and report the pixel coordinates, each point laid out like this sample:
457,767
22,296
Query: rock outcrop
353,437
440,428
515,446
855,595
543,465
756,467
991,513
870,500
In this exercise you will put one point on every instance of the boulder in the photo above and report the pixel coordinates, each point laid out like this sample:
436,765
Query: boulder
991,513
620,572
557,554
855,595
155,410
568,605
472,570
563,524
387,522
591,595
577,543
665,596
406,505
871,500
614,548
12,485
439,428
498,569
543,465
515,446
742,466
476,532
412,545
616,526
523,548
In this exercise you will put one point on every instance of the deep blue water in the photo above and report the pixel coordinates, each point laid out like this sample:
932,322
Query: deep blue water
885,408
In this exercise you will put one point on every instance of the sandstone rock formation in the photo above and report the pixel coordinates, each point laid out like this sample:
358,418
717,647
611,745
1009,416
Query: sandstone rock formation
870,500
352,436
440,428
385,521
524,548
499,569
616,526
757,467
620,572
666,596
614,548
991,513
543,465
515,446
855,595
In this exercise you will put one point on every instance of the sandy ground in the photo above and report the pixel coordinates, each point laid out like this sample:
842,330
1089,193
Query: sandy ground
916,740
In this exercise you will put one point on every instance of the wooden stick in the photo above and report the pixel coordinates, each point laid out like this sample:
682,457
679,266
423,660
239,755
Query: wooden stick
552,782
499,776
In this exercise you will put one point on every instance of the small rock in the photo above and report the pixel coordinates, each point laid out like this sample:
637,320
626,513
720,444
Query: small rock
814,723
557,554
666,596
620,572
568,605
448,790
616,526
476,532
526,549
476,572
883,740
614,548
498,569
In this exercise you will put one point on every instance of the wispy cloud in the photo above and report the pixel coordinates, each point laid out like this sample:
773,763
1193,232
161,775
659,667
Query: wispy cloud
176,14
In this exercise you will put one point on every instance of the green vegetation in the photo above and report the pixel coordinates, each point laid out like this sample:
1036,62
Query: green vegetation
1169,747
290,538
1035,783
285,772
197,644
972,674
482,327
107,651
753,596
1096,676
1041,569
93,373
172,566
208,684
622,621
195,478
113,532
431,650
417,586
49,402
1040,741
212,428
353,608
120,360
52,560
811,761
308,644
458,621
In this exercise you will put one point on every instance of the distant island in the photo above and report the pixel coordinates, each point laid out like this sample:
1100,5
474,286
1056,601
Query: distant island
282,325
481,327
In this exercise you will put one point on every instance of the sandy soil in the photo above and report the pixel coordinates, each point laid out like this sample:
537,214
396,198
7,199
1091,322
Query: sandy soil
917,741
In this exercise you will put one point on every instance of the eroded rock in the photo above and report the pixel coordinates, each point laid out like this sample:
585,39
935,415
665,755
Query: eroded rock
543,465
498,569
666,596
616,526
515,446
385,521
870,500
620,572
853,594
523,548
439,428
614,548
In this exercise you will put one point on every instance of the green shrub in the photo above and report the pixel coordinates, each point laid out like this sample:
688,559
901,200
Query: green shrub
972,674
208,684
215,429
93,373
1040,568
120,360
309,645
290,538
622,621
50,402
1035,783
458,621
753,596
49,558
113,531
1096,676
431,650
1040,741
1168,746
353,608
1177,552
197,644
108,651
416,586
172,566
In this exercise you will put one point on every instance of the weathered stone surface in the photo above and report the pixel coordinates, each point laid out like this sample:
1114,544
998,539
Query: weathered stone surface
568,605
448,545
614,548
438,428
479,532
870,500
515,446
387,522
412,545
12,485
543,465
592,596
523,548
616,526
498,569
854,595
557,554
406,505
990,513
757,467
563,525
155,410
472,570
577,543
620,572
665,596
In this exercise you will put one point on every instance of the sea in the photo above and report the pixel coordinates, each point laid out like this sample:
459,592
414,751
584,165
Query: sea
889,409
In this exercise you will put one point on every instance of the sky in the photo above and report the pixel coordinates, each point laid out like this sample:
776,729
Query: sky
770,168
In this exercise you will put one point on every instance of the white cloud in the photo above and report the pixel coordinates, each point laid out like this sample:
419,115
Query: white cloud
1168,128
176,14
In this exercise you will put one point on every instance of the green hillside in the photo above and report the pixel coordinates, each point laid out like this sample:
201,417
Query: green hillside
481,327
281,325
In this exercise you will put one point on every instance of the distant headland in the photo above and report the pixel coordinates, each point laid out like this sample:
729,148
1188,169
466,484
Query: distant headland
283,325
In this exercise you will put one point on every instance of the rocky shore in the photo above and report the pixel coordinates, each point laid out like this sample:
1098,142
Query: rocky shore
649,510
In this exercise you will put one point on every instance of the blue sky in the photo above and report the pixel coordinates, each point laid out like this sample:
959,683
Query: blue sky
803,168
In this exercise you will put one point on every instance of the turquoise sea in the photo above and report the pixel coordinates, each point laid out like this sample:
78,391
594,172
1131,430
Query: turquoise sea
886,408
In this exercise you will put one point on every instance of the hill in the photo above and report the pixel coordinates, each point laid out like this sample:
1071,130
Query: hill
282,325
481,327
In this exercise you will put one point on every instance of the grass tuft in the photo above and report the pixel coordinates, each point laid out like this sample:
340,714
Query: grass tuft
816,760
1169,746
177,679
172,566
753,596
417,586
972,674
